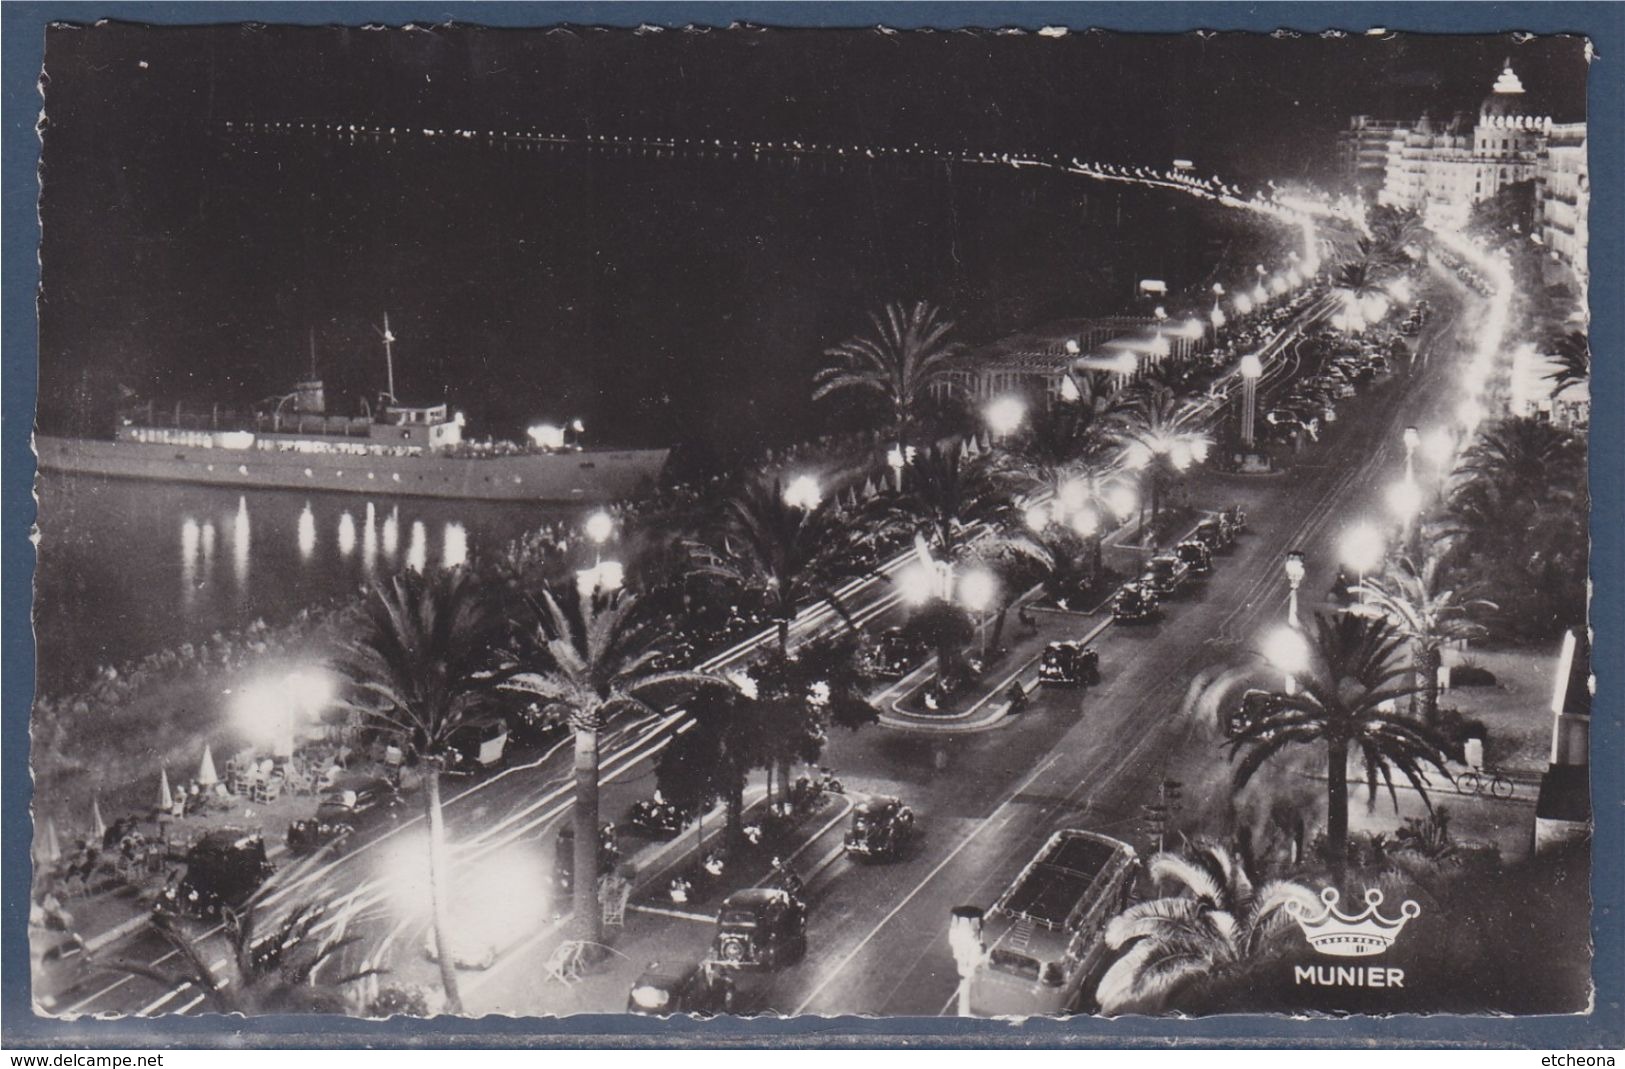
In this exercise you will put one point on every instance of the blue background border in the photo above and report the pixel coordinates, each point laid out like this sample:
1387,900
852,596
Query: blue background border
21,49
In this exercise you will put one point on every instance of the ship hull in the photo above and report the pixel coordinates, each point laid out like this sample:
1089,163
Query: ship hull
589,475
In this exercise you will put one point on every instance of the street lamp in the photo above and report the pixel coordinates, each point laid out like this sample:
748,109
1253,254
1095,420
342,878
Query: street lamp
600,525
976,591
1362,551
1286,649
895,460
1244,304
965,940
1294,576
1405,499
803,493
1251,369
1004,415
1037,517
1439,445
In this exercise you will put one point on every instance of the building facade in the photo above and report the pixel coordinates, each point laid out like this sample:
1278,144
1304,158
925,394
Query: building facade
1563,206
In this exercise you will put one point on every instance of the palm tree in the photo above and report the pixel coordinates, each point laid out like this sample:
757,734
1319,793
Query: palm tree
1353,678
905,359
946,500
788,553
421,670
1159,434
1396,227
263,975
1216,922
589,665
1083,498
1572,354
1415,597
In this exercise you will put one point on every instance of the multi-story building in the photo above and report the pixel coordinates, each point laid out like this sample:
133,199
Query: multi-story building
1363,151
1565,197
1444,168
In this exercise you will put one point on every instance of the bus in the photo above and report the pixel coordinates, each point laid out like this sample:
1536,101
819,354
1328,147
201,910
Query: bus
1044,936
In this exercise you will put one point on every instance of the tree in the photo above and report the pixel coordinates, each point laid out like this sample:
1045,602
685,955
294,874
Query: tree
786,553
1358,279
1397,228
902,362
421,672
1083,495
1519,499
1159,436
263,975
1415,597
946,628
590,664
1572,354
1216,922
1354,677
946,500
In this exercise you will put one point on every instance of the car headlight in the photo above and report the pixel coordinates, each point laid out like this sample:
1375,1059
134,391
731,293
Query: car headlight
650,998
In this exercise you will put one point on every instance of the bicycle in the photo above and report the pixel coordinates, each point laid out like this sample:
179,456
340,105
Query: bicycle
1478,782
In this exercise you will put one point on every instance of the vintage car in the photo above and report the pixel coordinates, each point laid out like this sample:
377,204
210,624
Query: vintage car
895,654
880,828
1196,555
341,813
760,928
223,870
1255,706
1135,603
656,818
1215,533
668,987
1069,664
477,748
1165,574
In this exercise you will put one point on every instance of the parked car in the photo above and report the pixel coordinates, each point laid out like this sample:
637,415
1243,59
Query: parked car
1197,557
1135,603
895,654
1255,706
668,987
762,928
1378,364
476,748
1215,533
1069,664
341,813
1165,574
656,818
880,828
223,869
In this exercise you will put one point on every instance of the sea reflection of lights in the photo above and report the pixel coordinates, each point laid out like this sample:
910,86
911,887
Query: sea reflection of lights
369,539
417,548
190,538
392,532
346,534
240,537
454,553
307,532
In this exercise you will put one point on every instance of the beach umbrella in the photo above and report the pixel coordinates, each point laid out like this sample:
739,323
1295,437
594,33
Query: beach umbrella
972,446
166,801
206,775
852,497
47,847
869,490
97,825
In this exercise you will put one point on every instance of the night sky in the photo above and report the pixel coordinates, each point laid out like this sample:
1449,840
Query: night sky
169,253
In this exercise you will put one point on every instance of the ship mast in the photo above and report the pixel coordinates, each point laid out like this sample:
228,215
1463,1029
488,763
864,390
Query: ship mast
389,357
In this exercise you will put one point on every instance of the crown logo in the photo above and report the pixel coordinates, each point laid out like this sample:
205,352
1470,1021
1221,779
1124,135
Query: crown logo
1344,935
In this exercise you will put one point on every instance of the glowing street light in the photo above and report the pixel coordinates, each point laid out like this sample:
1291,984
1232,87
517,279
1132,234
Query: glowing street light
1413,438
977,591
1004,415
1439,446
600,525
803,493
1405,499
1244,304
1470,413
1037,517
1251,369
1362,551
1086,522
1294,576
965,940
920,583
1260,295
1286,649
1122,500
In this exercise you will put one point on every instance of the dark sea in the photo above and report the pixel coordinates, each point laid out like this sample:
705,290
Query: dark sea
665,298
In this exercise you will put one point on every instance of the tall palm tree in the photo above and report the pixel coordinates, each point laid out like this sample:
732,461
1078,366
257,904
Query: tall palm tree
1417,598
905,358
946,500
1396,227
1159,435
789,554
590,664
1216,921
421,671
262,975
1358,279
1354,675
1572,354
1082,499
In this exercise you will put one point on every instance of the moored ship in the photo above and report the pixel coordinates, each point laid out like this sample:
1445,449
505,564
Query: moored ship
292,442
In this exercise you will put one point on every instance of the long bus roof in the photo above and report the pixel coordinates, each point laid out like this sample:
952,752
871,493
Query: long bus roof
1058,884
